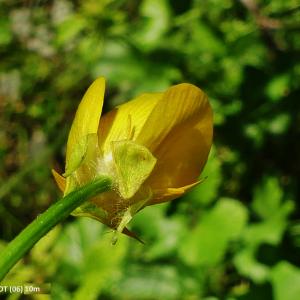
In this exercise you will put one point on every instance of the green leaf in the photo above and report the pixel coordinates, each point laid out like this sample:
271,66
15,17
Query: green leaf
269,232
101,263
5,32
279,124
205,39
69,29
248,266
149,282
208,241
161,234
269,206
91,260
156,22
267,197
278,87
285,280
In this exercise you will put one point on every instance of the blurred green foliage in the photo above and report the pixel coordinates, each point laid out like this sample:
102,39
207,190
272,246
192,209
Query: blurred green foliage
236,236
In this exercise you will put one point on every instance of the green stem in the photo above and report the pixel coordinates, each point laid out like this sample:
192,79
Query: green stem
19,246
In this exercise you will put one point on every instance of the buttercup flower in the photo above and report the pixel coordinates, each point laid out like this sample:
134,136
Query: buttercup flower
154,147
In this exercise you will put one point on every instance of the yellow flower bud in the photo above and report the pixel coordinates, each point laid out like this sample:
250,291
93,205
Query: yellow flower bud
154,147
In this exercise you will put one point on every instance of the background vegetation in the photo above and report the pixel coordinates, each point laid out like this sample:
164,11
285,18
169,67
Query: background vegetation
237,236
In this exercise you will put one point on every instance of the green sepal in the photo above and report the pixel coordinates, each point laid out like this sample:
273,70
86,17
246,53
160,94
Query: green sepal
77,156
146,195
91,210
85,168
133,163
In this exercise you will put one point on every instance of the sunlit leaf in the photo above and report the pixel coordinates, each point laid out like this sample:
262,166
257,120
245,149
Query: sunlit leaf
208,241
285,279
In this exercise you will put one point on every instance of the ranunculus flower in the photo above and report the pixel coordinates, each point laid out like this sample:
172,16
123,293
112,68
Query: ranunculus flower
154,147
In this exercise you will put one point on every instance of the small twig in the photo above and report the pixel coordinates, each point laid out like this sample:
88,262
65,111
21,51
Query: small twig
264,23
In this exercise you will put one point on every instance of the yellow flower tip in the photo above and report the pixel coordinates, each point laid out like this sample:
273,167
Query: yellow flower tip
154,147
179,133
188,87
86,122
60,180
168,194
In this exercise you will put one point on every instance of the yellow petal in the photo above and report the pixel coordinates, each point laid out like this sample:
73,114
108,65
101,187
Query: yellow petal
179,134
60,181
168,194
126,120
86,122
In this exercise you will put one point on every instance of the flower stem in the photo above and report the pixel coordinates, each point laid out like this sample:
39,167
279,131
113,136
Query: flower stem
26,239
